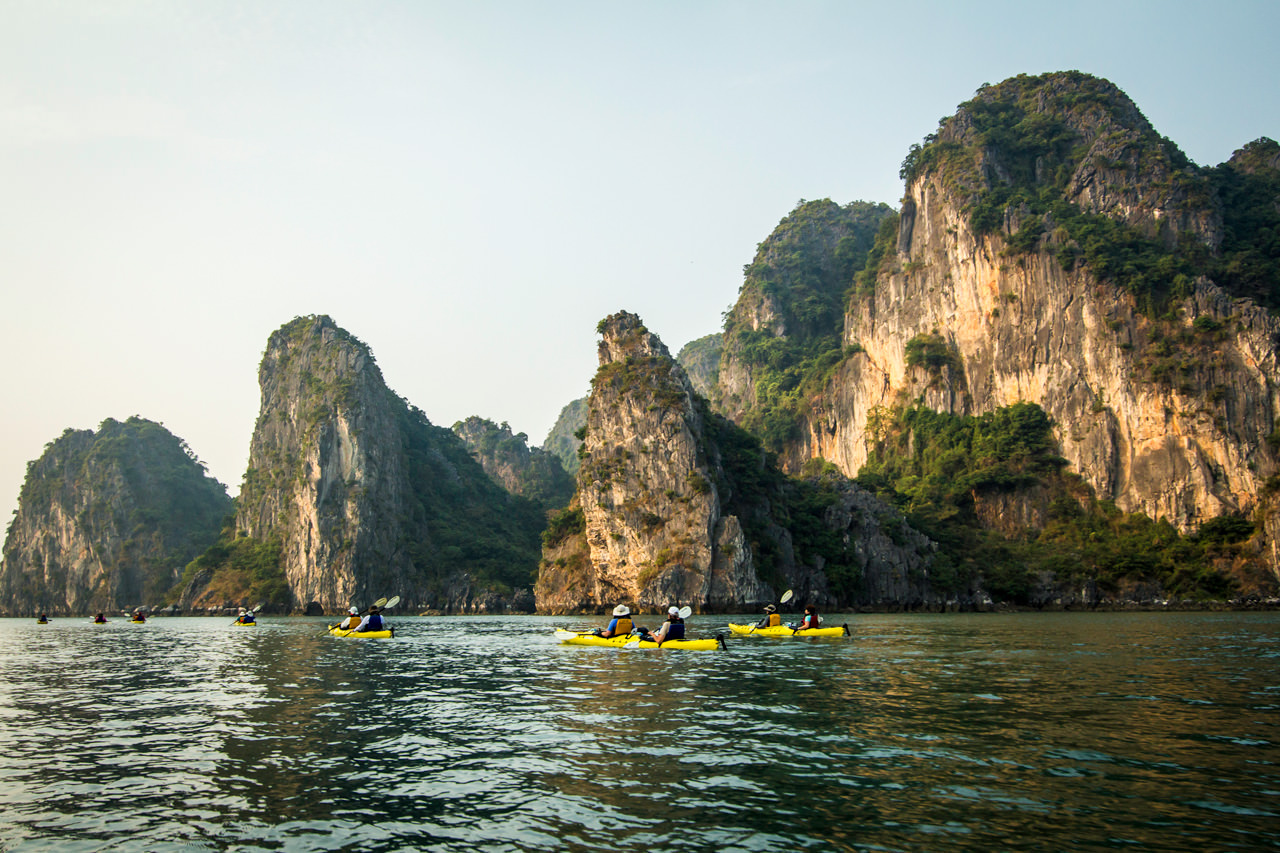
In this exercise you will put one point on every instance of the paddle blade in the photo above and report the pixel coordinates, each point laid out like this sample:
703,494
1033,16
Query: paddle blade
635,644
686,612
380,602
392,602
786,596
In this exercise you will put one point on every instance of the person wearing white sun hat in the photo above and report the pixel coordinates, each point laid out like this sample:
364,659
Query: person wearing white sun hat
621,623
672,629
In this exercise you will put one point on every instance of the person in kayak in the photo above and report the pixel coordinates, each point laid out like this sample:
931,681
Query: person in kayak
621,624
246,617
100,619
771,618
672,629
42,619
351,620
372,621
139,616
810,620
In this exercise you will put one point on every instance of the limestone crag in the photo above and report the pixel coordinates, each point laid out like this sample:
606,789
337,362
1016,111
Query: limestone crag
367,497
107,520
653,517
507,458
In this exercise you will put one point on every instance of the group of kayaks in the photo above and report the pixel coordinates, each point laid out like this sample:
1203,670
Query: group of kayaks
637,641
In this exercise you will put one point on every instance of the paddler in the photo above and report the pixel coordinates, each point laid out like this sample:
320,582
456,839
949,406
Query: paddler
351,620
672,629
42,619
771,618
246,617
100,619
621,624
811,618
139,616
372,621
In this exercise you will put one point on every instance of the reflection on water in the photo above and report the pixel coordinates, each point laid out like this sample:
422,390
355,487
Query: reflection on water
958,732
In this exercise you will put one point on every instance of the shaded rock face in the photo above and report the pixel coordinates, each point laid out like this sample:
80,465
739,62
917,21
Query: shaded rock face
562,441
518,468
367,497
107,520
676,502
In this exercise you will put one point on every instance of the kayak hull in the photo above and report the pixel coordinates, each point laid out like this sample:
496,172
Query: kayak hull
578,639
362,635
784,631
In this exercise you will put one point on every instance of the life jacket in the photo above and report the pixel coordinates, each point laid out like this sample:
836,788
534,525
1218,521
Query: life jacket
620,625
675,630
349,624
810,620
775,619
375,622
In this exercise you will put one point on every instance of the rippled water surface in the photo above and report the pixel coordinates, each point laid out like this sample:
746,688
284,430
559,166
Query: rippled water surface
956,732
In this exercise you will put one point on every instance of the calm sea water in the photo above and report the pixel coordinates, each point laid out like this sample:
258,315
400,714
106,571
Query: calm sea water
938,733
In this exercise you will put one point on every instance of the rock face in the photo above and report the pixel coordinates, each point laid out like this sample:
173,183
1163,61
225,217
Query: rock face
529,472
107,520
675,505
562,441
367,498
1166,411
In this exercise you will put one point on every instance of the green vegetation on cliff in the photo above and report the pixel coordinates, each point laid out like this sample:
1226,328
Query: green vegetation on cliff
136,498
798,281
1017,152
937,468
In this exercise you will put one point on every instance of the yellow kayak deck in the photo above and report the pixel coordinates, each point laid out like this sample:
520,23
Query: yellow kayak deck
364,635
574,638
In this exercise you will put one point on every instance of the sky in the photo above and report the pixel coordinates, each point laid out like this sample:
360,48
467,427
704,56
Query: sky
470,186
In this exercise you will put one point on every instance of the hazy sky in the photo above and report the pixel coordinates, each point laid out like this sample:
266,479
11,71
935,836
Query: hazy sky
470,186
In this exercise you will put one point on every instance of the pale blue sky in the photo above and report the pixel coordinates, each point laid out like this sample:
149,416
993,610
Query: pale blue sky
470,186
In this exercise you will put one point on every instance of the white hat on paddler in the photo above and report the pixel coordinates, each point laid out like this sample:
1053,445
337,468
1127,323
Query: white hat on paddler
622,610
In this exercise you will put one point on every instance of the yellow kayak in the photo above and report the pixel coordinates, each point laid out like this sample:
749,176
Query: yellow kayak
784,631
573,638
366,635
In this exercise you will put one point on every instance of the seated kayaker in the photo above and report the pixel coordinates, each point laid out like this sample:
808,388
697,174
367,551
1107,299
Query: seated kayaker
810,619
101,618
672,629
42,619
771,618
139,616
372,621
621,624
246,617
351,621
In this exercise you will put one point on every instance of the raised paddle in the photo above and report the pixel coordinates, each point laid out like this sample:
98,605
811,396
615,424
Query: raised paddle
381,604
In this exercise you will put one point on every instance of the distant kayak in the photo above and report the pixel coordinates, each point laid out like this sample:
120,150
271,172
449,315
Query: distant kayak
573,638
243,624
784,631
364,635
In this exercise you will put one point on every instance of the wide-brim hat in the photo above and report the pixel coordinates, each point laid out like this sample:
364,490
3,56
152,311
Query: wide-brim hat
354,611
769,608
622,610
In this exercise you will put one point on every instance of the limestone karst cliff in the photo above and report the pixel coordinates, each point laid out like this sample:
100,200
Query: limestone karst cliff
106,521
366,496
675,504
1052,249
